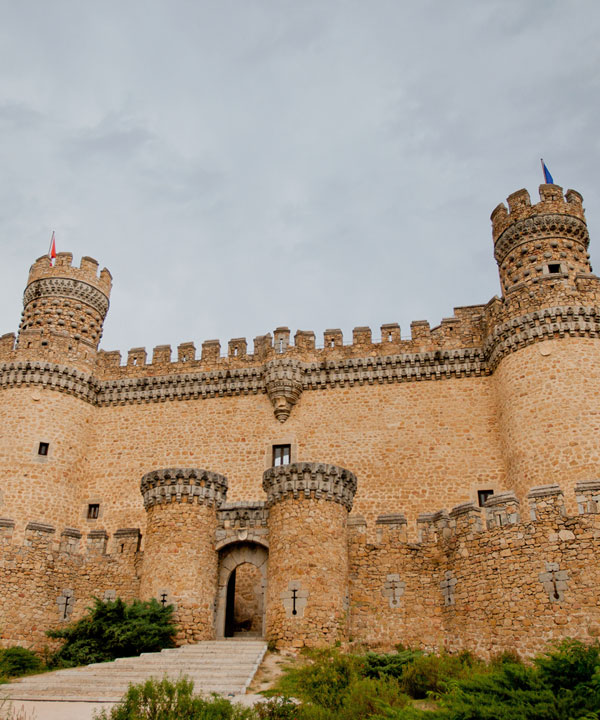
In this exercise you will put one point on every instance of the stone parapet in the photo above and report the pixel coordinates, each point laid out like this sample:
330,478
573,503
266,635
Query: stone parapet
466,518
502,509
242,522
587,494
172,485
310,480
546,502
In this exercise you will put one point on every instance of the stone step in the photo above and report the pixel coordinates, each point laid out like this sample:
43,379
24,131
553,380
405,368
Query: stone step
223,667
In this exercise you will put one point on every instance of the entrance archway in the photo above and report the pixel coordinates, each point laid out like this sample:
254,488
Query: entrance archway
241,590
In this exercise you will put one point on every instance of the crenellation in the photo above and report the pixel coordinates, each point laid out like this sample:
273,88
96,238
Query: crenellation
161,355
238,348
587,494
465,519
136,357
186,353
390,333
361,336
333,339
97,541
546,502
304,340
70,539
502,509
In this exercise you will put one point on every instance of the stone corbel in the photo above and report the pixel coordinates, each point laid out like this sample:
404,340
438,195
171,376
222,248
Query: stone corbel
283,380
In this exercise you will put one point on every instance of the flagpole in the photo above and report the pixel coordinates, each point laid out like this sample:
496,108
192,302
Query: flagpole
50,246
543,173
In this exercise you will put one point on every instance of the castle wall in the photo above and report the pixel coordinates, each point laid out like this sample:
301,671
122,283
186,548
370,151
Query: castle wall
35,487
466,587
49,579
548,396
406,442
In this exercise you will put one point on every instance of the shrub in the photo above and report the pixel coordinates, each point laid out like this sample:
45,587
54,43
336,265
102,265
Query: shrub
114,629
277,709
16,661
430,673
323,680
389,665
167,700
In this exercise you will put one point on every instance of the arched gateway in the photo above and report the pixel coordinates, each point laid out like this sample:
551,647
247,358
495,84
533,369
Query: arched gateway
250,567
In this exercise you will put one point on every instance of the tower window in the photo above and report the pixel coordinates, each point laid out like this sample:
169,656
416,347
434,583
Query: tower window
483,496
93,511
43,448
281,455
554,268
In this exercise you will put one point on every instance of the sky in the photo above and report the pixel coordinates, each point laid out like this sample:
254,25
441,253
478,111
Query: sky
242,165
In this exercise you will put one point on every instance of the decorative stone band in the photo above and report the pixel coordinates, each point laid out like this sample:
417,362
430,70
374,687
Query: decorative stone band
67,287
310,480
539,227
40,527
172,485
243,514
574,321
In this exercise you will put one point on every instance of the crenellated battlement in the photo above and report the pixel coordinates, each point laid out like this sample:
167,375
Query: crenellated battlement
63,267
546,505
552,202
91,543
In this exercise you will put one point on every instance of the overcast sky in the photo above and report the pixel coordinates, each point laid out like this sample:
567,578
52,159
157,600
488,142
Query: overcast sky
240,165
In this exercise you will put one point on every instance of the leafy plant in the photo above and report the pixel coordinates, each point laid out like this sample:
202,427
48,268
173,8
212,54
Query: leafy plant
167,700
114,629
16,661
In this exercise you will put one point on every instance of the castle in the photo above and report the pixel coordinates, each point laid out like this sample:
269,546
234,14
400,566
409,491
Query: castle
294,491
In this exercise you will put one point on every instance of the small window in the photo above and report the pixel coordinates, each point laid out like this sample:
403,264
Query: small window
281,455
554,268
483,496
93,511
43,448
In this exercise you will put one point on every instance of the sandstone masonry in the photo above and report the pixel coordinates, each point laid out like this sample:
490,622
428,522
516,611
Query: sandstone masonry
291,491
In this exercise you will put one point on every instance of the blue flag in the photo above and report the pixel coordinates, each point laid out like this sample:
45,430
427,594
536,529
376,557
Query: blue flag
547,176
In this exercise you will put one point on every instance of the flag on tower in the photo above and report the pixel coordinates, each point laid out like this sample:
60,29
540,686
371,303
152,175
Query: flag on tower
52,250
547,176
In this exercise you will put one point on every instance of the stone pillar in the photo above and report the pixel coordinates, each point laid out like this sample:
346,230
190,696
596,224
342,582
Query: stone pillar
307,599
180,560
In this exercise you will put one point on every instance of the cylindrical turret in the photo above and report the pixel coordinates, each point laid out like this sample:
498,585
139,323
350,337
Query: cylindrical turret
543,242
308,552
543,341
180,560
63,310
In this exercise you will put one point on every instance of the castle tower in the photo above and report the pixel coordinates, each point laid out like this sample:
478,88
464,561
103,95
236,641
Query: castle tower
63,311
307,593
543,341
46,403
180,561
535,245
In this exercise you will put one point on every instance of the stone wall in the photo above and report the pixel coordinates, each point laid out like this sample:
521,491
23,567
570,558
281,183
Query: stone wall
50,578
513,580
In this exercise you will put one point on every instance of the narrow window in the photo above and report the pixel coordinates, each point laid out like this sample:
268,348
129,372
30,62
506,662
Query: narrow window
390,337
43,448
483,496
93,511
554,268
281,455
235,351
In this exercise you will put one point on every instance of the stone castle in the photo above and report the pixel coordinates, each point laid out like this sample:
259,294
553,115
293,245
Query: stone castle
294,491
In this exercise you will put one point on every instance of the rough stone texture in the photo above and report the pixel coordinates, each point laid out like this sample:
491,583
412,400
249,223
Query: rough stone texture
180,562
308,554
501,397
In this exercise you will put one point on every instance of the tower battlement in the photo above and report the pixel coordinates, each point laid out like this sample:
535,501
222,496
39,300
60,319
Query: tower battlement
63,267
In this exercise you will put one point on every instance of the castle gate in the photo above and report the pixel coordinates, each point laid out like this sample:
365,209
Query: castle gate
242,582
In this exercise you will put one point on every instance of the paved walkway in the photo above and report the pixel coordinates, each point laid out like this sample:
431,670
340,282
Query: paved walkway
223,666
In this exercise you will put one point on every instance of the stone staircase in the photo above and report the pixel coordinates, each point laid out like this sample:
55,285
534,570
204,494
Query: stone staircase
225,667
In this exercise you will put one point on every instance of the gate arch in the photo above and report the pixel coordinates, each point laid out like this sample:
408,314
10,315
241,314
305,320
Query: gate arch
231,557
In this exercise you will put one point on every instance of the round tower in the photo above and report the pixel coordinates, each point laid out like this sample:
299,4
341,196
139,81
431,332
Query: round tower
180,562
537,244
63,310
307,591
543,341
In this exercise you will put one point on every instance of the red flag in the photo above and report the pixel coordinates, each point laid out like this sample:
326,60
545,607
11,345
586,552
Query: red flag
52,251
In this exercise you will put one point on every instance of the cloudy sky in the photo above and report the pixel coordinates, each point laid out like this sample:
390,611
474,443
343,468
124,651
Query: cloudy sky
244,164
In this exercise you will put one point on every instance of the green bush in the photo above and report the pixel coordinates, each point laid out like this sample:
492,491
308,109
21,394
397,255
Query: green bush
277,709
167,700
114,629
389,664
16,661
323,680
430,674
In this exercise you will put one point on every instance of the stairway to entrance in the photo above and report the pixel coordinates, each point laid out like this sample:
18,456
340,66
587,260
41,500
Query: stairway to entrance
222,666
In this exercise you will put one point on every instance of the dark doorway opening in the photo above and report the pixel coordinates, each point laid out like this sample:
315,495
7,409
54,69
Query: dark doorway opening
230,606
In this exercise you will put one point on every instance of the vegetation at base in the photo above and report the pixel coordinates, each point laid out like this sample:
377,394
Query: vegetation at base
562,684
114,629
166,700
16,661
